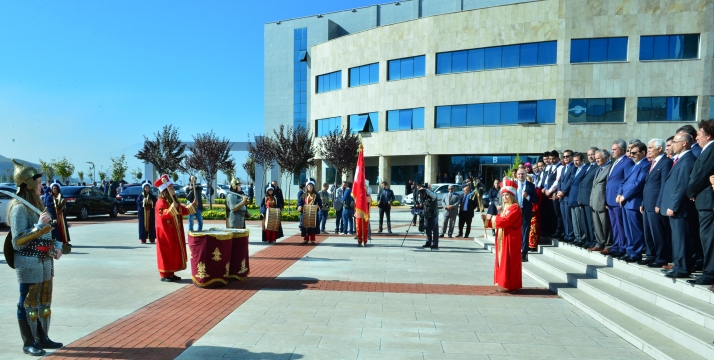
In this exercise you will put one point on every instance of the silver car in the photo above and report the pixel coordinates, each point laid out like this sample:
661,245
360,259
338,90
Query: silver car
440,189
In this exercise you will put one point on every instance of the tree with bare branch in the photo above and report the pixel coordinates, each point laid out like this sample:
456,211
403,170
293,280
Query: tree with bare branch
339,149
210,155
262,151
165,152
296,149
249,168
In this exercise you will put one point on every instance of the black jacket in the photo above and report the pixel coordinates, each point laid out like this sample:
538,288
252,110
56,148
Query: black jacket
198,196
652,192
389,195
674,191
700,188
586,184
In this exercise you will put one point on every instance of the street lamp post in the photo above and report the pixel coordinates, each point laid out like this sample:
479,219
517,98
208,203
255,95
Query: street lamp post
94,172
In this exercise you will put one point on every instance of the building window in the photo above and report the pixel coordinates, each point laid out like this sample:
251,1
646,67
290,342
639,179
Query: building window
503,113
497,57
673,108
323,127
330,175
598,50
363,122
300,78
406,68
371,173
711,108
405,119
669,47
364,75
329,82
402,174
596,110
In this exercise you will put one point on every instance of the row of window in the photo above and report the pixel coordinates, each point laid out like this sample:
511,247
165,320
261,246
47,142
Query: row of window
300,77
497,57
596,110
657,47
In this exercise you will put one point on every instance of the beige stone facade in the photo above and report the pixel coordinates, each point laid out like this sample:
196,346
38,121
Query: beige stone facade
546,20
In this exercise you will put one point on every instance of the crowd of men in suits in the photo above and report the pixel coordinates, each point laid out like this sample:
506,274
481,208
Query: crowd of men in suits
644,202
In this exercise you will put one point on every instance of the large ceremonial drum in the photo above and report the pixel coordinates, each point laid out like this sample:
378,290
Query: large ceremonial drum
309,216
272,219
218,255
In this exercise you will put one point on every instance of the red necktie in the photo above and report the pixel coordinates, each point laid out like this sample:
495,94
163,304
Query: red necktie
652,166
675,162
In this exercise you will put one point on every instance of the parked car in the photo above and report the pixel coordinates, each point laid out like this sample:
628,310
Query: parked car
221,191
440,189
83,201
484,199
5,202
127,198
179,192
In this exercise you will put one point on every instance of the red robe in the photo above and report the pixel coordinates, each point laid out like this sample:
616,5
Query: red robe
534,236
507,271
170,238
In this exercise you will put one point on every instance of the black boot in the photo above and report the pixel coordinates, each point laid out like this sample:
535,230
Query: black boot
45,341
29,347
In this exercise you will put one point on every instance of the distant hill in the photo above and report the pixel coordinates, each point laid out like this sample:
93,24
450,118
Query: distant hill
6,167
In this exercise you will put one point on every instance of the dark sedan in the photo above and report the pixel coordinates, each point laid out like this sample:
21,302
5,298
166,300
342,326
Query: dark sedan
127,198
83,201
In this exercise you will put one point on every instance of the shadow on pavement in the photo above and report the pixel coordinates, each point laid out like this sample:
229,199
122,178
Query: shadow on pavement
186,352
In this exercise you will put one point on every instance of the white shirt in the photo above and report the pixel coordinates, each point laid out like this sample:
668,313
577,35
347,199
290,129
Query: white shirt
656,160
614,164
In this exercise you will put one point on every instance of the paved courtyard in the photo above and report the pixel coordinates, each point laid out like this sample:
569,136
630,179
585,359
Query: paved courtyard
330,301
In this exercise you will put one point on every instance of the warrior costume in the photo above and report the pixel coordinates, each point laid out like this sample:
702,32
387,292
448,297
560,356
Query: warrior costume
33,247
309,198
236,207
147,217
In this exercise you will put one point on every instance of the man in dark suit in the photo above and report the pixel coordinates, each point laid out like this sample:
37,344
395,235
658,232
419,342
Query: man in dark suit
548,219
384,202
658,244
676,205
468,203
564,183
551,187
689,129
576,214
620,166
450,203
598,202
700,190
527,197
629,196
586,187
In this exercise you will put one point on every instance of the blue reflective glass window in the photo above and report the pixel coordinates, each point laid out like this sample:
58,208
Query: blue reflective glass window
615,110
661,48
474,115
303,97
492,58
646,47
458,115
364,75
374,121
443,116
492,114
691,46
577,110
443,63
338,76
598,50
333,82
509,113
392,120
510,55
617,49
394,70
644,109
475,60
353,123
676,46
529,54
303,43
527,111
547,53
354,76
459,61
711,107
405,119
320,84
545,112
419,65
658,109
579,50
374,73
296,97
596,110
417,118
407,70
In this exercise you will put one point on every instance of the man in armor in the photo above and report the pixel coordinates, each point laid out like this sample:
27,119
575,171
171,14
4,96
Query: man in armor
31,251
236,202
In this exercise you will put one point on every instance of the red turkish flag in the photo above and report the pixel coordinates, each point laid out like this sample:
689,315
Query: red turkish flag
362,201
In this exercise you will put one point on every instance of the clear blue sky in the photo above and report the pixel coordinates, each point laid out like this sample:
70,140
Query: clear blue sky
87,79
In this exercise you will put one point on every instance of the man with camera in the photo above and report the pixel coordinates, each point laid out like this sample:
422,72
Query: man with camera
428,200
384,202
195,192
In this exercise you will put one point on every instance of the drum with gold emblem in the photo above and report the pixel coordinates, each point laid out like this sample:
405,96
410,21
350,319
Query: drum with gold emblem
309,216
272,219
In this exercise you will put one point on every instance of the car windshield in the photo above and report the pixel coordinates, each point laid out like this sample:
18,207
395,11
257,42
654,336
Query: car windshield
70,190
435,187
134,190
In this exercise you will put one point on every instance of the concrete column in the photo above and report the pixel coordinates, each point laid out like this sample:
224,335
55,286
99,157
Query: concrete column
430,168
319,174
385,169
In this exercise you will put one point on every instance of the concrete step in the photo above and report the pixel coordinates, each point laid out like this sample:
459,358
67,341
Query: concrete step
691,335
650,274
688,307
644,338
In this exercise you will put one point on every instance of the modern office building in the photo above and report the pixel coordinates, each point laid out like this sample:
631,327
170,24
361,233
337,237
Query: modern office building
440,86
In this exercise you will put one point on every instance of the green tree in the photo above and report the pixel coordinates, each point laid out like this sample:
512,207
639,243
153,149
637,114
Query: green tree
249,168
165,152
80,175
174,176
136,174
229,173
119,167
47,169
511,173
63,168
102,176
3,178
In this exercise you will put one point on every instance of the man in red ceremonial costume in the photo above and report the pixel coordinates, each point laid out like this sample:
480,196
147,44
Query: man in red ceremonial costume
362,202
170,238
507,272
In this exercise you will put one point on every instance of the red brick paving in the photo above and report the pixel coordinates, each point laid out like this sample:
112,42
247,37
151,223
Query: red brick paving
168,326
